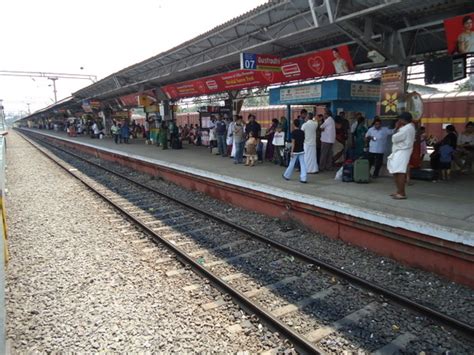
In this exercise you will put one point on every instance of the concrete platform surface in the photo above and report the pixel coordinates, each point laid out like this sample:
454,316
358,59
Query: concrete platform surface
444,209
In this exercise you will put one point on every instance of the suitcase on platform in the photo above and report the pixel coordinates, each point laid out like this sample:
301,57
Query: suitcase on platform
423,174
361,171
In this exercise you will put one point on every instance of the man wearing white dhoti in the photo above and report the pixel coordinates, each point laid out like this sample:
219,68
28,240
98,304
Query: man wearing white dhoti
402,147
309,128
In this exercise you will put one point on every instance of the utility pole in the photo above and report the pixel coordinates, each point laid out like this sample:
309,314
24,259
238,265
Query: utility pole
53,79
50,76
29,111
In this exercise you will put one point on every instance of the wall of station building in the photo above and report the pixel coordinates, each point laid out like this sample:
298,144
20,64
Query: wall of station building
439,110
264,114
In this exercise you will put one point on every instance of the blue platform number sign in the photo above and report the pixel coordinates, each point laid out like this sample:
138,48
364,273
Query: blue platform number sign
248,61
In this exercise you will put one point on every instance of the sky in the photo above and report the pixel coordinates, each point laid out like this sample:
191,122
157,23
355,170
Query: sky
101,36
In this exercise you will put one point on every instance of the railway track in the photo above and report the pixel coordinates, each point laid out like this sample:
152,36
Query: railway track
258,272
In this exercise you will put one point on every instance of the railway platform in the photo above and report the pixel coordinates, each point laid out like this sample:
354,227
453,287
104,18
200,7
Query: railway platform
436,218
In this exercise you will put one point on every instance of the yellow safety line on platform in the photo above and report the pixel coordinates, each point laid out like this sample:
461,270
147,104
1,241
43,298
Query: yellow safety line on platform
446,119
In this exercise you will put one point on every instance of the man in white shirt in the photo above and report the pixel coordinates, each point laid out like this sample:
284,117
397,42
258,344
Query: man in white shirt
95,130
402,147
309,128
328,137
377,137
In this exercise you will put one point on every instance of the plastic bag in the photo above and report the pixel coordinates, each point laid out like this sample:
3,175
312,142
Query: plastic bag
338,176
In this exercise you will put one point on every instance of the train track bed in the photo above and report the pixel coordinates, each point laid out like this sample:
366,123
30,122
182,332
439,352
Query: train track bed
424,287
83,279
328,311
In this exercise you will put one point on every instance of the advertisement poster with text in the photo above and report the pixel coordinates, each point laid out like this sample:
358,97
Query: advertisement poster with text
392,91
460,34
307,66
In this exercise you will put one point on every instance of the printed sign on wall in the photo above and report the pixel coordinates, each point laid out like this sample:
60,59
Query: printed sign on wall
300,93
365,90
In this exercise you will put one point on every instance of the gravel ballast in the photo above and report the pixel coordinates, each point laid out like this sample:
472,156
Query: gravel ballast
266,267
425,287
82,279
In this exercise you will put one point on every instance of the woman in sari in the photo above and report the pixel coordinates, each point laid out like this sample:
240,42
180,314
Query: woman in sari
270,147
359,137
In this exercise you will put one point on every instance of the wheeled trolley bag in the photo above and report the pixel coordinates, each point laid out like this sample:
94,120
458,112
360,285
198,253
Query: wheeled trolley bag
361,171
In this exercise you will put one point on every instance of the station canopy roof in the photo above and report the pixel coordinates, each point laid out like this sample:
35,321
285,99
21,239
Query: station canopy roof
400,30
67,102
403,31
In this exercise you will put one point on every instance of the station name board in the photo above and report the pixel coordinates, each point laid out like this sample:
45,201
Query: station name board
300,93
265,62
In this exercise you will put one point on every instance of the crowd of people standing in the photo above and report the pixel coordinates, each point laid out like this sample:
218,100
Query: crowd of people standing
454,149
310,143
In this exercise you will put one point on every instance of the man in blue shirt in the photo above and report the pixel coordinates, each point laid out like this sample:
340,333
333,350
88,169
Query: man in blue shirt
377,138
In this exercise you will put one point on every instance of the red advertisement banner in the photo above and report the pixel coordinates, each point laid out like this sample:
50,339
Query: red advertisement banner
460,34
132,100
307,66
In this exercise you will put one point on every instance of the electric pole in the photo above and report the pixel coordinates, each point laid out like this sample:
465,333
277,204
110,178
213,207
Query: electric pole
50,76
53,79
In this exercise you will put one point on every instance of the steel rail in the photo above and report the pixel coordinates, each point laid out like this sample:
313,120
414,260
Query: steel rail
391,295
299,342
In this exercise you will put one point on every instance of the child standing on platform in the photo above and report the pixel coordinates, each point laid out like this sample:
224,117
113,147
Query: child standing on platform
251,150
445,158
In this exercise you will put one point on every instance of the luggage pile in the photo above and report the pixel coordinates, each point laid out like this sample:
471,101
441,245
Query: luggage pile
357,171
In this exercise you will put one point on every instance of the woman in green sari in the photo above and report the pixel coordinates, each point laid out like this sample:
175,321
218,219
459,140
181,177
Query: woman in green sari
164,135
359,137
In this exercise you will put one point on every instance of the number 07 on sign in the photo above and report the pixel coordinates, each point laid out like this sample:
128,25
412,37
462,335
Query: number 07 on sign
260,62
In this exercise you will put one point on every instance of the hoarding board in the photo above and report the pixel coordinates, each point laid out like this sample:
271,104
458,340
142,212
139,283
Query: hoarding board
392,91
307,66
459,34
